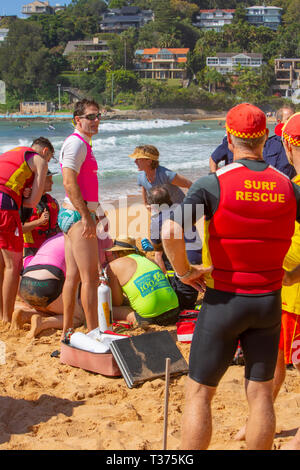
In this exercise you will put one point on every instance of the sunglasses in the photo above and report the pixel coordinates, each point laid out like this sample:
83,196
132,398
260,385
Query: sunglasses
91,117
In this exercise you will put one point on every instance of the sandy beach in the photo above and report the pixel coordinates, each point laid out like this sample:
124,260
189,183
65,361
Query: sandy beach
47,405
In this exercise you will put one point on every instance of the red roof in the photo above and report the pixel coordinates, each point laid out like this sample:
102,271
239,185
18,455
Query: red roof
155,50
217,9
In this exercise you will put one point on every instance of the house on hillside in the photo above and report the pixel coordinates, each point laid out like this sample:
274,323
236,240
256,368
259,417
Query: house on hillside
226,62
3,33
117,20
38,7
287,74
161,64
267,16
91,47
213,19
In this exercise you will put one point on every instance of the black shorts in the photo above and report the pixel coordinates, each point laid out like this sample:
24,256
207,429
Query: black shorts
167,318
41,293
223,320
187,295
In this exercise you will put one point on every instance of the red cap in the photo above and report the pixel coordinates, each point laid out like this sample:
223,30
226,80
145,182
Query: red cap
246,121
278,129
291,130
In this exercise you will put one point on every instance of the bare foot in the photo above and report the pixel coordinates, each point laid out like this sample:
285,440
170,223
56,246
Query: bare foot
19,318
36,326
241,434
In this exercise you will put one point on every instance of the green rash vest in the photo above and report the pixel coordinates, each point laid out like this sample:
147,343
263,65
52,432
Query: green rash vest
149,291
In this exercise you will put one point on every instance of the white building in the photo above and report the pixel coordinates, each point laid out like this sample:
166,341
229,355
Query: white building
3,33
264,16
226,62
38,7
214,19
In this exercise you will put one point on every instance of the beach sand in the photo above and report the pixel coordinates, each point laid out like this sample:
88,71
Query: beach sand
46,405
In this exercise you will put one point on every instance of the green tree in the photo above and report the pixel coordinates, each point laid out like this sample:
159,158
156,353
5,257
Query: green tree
117,3
165,16
87,7
122,48
26,65
168,40
121,81
210,78
148,36
292,13
239,14
184,9
250,85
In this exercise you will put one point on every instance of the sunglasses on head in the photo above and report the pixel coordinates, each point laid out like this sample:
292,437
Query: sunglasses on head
91,117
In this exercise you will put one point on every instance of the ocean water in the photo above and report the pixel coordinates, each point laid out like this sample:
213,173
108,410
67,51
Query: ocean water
184,147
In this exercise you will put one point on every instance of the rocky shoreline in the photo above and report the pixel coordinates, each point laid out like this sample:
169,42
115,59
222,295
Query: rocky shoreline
189,114
117,114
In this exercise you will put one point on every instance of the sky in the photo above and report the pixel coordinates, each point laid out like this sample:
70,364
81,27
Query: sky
14,7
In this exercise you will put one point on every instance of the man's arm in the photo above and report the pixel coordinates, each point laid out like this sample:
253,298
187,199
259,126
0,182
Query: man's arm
158,257
181,181
72,188
42,220
174,245
39,166
213,166
219,154
144,195
291,277
204,193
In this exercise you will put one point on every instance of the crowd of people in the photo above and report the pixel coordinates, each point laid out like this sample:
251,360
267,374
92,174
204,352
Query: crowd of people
248,267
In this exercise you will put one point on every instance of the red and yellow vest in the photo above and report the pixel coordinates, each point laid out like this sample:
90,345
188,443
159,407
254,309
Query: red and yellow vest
250,233
290,295
15,173
38,235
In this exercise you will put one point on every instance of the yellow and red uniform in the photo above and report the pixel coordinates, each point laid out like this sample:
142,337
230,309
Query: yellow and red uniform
246,228
36,237
290,329
16,174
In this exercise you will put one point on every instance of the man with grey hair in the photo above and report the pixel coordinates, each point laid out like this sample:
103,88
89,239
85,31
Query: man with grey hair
274,152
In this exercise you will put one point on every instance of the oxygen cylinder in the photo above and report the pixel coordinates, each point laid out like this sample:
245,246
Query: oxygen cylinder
104,304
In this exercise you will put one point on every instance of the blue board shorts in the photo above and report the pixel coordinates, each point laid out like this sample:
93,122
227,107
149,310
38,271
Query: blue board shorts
68,217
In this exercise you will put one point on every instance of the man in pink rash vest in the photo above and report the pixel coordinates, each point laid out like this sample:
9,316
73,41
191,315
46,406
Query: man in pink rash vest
77,217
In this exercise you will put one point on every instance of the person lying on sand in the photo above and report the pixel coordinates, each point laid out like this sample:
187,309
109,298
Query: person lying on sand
40,290
41,287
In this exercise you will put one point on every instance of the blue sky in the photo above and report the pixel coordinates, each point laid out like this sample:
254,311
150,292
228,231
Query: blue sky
14,7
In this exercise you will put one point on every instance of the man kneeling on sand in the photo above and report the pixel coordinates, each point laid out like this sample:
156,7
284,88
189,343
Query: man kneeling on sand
40,289
151,297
